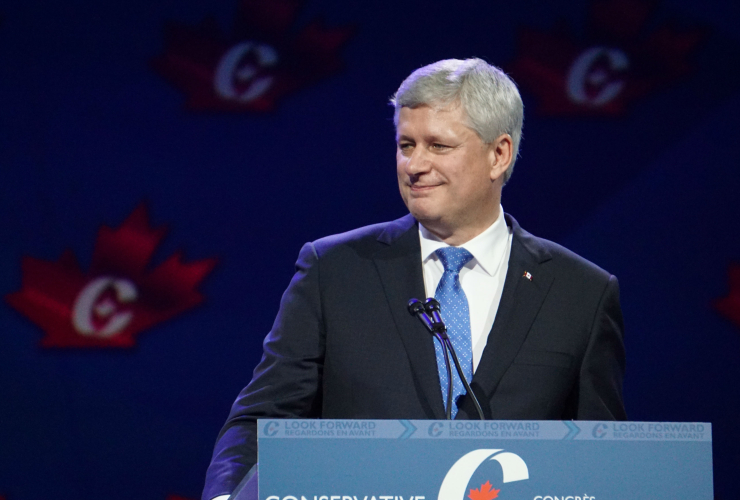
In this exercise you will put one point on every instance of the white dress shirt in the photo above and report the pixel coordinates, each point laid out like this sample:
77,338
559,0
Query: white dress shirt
482,279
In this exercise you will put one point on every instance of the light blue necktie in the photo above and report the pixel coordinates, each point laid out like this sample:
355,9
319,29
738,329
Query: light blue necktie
456,315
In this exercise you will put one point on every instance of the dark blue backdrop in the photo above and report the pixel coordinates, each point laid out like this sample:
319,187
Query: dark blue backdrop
95,120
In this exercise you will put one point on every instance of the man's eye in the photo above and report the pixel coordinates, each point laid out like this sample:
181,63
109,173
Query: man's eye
437,145
404,146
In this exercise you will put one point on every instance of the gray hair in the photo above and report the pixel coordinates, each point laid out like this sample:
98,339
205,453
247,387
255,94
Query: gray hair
488,96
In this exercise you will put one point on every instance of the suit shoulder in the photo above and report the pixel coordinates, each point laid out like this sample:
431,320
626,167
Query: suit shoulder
554,255
570,261
364,238
560,259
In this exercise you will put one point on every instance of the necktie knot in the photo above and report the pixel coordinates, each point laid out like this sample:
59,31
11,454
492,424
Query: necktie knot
454,258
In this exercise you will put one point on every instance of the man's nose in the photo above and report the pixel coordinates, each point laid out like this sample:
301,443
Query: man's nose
418,163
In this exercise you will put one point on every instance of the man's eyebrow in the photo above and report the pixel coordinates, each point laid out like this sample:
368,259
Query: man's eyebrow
403,137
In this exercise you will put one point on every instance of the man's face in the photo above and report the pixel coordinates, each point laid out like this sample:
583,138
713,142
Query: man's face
446,173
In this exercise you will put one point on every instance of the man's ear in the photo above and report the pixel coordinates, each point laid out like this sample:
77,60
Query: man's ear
500,155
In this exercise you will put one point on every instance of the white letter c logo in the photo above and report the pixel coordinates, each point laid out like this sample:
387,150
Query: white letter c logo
584,72
88,303
456,481
229,71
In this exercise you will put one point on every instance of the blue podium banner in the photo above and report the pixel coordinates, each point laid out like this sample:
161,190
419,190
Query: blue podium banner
474,460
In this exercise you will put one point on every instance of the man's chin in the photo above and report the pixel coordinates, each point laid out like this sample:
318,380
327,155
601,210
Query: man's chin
425,217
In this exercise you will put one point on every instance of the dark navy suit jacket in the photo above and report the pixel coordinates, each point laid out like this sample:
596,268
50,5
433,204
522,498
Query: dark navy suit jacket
344,345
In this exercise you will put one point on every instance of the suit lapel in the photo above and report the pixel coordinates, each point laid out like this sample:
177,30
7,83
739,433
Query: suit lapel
399,266
520,302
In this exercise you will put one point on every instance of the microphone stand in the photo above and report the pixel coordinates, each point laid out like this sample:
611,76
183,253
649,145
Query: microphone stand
433,307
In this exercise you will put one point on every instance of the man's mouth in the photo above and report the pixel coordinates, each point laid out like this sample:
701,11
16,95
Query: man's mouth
423,187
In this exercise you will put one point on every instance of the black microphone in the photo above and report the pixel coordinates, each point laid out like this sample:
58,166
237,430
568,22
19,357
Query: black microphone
417,308
434,308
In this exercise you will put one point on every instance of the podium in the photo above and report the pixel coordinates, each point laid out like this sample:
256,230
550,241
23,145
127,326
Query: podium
483,460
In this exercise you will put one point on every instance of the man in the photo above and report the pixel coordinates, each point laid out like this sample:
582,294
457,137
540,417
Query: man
538,328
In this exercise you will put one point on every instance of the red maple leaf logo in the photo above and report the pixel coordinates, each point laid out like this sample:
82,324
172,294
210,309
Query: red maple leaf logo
259,63
729,306
486,492
117,298
617,62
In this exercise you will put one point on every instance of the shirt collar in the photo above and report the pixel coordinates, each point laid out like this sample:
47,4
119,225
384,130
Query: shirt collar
487,248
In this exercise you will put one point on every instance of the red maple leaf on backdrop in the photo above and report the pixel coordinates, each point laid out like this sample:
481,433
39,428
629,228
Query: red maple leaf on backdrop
118,297
486,492
261,61
729,306
621,58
